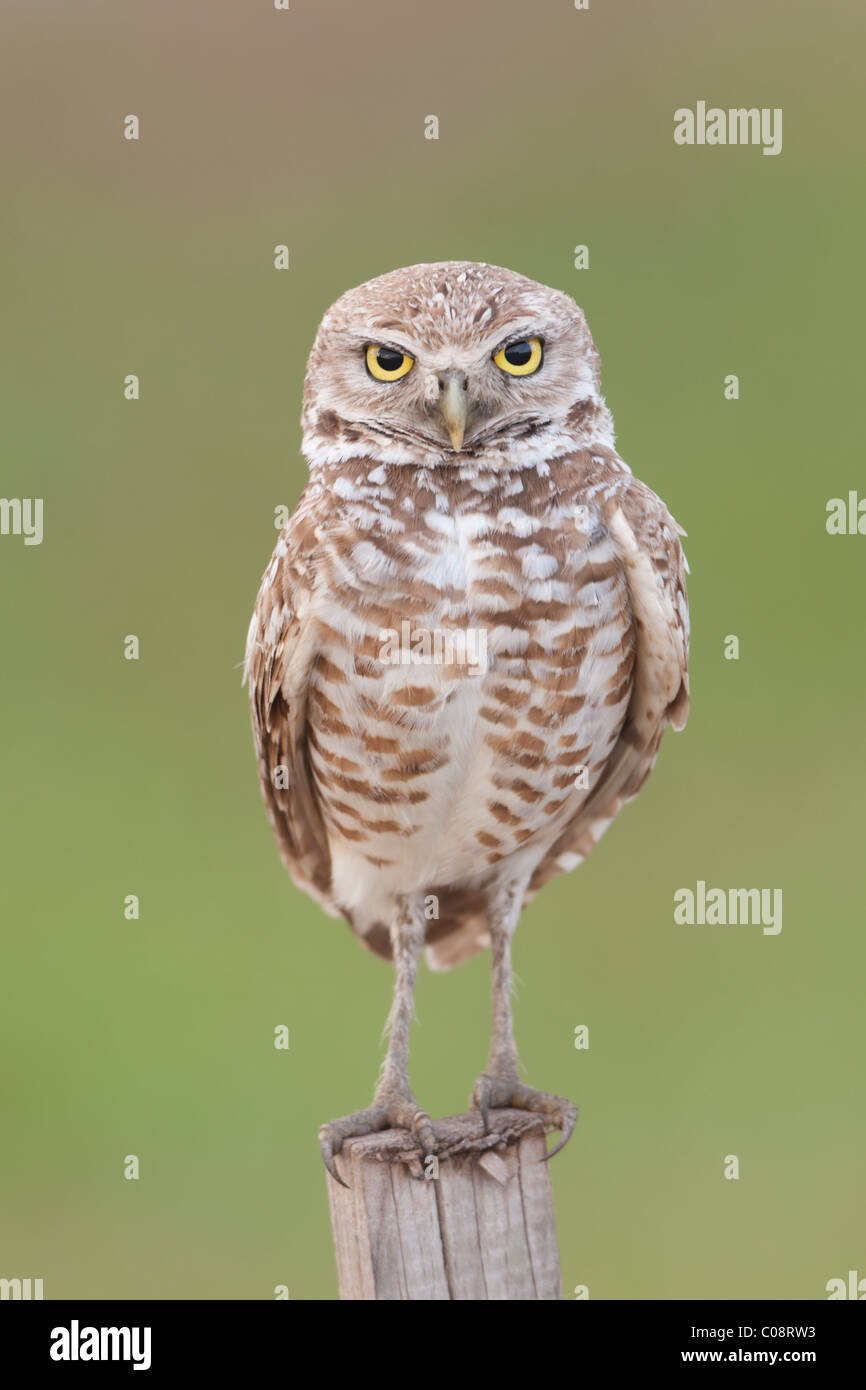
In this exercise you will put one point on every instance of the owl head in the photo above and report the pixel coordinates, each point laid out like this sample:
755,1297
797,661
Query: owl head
434,363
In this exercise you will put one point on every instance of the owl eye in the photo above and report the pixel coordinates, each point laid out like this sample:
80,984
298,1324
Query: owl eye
385,364
520,359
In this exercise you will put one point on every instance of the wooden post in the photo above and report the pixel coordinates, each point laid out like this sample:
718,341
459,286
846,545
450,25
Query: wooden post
482,1229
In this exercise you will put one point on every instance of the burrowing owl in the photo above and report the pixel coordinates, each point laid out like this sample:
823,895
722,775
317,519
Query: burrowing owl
468,642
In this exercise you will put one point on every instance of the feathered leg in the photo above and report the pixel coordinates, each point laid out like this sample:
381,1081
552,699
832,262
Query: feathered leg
394,1106
499,1085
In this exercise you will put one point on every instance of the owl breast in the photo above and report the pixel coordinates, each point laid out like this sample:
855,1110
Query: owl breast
474,671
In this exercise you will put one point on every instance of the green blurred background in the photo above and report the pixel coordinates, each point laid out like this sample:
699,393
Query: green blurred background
156,258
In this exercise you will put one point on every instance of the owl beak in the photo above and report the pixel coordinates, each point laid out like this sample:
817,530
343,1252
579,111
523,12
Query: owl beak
453,406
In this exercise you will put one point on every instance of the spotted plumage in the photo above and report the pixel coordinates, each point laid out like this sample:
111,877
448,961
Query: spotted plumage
469,640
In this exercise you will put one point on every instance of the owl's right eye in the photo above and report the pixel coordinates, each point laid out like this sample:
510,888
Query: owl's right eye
386,364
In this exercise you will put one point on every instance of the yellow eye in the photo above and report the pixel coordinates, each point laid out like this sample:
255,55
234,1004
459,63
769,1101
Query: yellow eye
520,359
385,364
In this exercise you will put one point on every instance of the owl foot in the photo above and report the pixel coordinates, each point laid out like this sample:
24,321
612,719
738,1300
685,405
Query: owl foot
390,1110
497,1092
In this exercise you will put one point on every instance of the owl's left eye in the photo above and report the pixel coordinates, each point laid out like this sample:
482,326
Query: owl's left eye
386,364
520,359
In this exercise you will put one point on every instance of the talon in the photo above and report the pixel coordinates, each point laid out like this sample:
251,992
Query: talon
425,1132
326,1149
332,1169
480,1100
569,1120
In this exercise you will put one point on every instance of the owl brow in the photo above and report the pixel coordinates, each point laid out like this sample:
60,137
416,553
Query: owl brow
367,340
515,337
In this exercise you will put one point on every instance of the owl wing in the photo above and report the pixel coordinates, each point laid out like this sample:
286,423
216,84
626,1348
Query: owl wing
282,647
647,540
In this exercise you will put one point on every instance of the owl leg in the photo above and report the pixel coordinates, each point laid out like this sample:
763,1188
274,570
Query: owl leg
394,1106
499,1084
